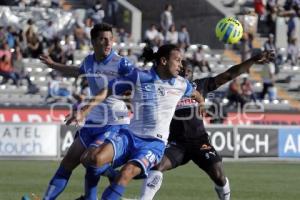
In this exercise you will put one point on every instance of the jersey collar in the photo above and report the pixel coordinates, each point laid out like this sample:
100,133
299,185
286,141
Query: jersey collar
107,58
156,77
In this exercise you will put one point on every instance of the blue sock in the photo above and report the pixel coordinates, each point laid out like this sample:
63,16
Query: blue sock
57,183
111,173
113,192
92,178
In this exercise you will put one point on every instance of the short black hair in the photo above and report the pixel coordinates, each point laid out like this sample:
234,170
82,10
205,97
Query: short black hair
100,28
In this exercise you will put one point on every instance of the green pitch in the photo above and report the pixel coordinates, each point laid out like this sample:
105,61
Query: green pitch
249,181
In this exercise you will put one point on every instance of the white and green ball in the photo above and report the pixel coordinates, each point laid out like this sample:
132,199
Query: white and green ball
229,30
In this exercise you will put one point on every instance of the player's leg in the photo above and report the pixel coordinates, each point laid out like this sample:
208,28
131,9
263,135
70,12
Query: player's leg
174,156
96,160
114,149
209,160
153,182
222,185
117,188
61,177
83,138
98,157
143,155
92,176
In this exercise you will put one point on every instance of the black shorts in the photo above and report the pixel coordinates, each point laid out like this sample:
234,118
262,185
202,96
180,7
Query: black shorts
202,154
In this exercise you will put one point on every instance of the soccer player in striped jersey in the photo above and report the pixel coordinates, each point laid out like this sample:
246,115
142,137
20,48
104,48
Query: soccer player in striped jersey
103,120
155,94
188,138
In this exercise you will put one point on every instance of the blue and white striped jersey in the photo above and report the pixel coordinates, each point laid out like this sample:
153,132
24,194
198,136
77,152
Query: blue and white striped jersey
153,101
112,111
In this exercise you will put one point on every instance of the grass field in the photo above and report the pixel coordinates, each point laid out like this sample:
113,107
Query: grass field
249,180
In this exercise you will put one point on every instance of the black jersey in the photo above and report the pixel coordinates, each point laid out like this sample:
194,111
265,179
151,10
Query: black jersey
186,125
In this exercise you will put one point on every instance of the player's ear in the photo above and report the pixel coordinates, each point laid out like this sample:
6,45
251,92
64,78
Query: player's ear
163,61
114,39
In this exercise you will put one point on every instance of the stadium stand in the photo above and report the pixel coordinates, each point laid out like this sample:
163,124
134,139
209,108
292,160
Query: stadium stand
287,81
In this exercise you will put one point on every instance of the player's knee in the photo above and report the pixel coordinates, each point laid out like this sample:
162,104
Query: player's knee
128,172
164,165
98,159
88,158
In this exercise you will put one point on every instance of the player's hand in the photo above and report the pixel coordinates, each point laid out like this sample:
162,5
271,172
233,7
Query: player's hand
76,117
70,117
47,60
201,110
264,57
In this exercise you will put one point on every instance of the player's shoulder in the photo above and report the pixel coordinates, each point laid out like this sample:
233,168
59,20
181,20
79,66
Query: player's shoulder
90,55
89,59
116,57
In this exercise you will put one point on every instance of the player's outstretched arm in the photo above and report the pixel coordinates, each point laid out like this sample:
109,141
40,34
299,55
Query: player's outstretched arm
80,115
66,70
236,70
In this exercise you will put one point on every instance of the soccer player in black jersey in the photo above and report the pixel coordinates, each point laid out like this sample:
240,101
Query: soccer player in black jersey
188,138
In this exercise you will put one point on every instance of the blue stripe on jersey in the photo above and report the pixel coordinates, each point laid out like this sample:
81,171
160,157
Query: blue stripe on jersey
149,104
227,33
189,89
109,57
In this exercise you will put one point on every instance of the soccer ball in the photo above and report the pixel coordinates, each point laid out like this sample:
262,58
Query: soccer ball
229,30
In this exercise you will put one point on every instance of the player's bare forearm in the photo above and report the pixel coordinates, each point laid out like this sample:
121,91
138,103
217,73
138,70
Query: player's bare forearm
80,115
99,98
243,67
69,71
66,70
233,72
